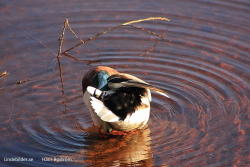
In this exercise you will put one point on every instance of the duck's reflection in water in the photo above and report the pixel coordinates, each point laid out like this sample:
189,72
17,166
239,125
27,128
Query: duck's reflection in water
115,150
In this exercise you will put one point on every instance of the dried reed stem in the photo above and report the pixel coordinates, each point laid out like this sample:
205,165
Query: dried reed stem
124,24
141,20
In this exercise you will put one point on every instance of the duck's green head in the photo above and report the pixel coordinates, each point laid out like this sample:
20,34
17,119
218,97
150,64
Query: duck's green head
99,80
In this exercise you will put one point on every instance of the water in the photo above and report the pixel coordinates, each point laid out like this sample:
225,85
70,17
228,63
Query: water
204,68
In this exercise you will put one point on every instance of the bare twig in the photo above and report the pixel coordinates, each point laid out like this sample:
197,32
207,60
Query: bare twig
149,32
124,24
82,42
22,81
59,64
67,23
141,20
156,42
61,38
88,61
3,74
62,83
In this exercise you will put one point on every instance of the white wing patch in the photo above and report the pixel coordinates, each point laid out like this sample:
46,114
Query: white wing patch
103,112
96,119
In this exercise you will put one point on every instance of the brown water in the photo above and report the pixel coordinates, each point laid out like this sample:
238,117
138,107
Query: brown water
205,69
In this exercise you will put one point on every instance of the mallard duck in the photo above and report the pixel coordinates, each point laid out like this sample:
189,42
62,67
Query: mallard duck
117,101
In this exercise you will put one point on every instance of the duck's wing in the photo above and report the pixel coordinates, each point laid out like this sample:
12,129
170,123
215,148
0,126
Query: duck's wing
116,81
136,120
99,108
95,118
103,112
